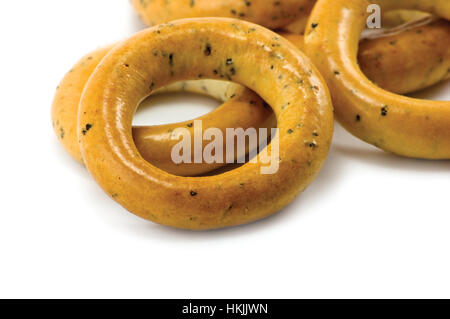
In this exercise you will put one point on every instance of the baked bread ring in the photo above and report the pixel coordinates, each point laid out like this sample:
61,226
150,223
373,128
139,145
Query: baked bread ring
395,123
241,108
283,76
271,14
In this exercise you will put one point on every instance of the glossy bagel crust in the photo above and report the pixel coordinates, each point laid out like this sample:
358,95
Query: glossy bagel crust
282,76
398,124
269,13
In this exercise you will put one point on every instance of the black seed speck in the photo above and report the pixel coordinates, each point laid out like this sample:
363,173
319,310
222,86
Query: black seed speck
207,50
87,128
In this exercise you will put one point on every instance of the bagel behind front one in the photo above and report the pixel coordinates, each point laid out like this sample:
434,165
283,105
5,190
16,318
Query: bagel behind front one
271,14
395,123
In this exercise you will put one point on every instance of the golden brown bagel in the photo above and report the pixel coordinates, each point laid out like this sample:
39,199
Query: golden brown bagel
282,76
395,123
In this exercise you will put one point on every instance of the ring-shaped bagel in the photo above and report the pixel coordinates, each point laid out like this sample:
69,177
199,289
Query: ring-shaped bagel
252,56
269,13
398,124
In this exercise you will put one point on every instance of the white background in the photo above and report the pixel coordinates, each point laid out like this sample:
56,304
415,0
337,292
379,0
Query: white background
371,225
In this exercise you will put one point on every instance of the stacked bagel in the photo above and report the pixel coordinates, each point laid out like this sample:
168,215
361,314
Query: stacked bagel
310,58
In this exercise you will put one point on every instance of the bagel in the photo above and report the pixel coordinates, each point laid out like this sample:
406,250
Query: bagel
398,124
271,14
282,76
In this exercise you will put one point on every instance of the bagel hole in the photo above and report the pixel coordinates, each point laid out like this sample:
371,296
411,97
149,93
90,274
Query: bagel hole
395,22
178,107
168,108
